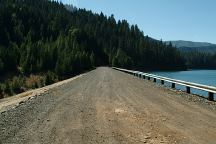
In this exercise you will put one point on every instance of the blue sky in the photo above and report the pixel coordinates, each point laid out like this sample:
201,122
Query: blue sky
193,20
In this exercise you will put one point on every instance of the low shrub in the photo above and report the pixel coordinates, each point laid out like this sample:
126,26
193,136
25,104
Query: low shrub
17,84
35,81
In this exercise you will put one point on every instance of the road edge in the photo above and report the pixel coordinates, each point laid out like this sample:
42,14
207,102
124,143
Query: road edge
14,101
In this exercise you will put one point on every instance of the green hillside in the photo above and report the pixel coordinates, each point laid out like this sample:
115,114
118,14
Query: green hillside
46,40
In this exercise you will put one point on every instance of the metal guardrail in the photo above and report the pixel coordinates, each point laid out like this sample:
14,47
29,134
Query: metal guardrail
210,89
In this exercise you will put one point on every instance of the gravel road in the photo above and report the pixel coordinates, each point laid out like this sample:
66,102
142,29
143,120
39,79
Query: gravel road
106,106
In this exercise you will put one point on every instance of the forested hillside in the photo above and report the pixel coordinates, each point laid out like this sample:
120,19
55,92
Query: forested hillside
197,55
45,39
200,60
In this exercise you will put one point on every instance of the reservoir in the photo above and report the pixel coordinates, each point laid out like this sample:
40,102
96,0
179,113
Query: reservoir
206,77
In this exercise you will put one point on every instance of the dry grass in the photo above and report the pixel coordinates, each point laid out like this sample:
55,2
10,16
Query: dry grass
35,81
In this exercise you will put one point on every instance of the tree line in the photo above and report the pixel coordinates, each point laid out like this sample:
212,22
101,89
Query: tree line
48,39
199,60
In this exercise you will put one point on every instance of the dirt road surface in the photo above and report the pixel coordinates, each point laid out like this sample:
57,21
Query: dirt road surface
106,106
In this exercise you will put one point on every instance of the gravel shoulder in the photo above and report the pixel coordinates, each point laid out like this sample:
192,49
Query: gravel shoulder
107,106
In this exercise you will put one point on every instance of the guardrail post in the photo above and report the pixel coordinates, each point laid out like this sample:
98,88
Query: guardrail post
154,79
162,82
210,96
149,78
187,89
173,85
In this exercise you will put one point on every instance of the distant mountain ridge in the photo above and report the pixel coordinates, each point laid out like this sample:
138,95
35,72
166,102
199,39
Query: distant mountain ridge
188,46
182,43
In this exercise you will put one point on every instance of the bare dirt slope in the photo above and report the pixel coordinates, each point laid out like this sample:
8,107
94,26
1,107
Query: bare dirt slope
110,107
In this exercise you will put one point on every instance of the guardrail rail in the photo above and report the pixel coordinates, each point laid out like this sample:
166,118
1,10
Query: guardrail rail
188,85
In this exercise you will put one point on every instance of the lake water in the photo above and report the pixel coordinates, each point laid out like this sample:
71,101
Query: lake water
206,77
